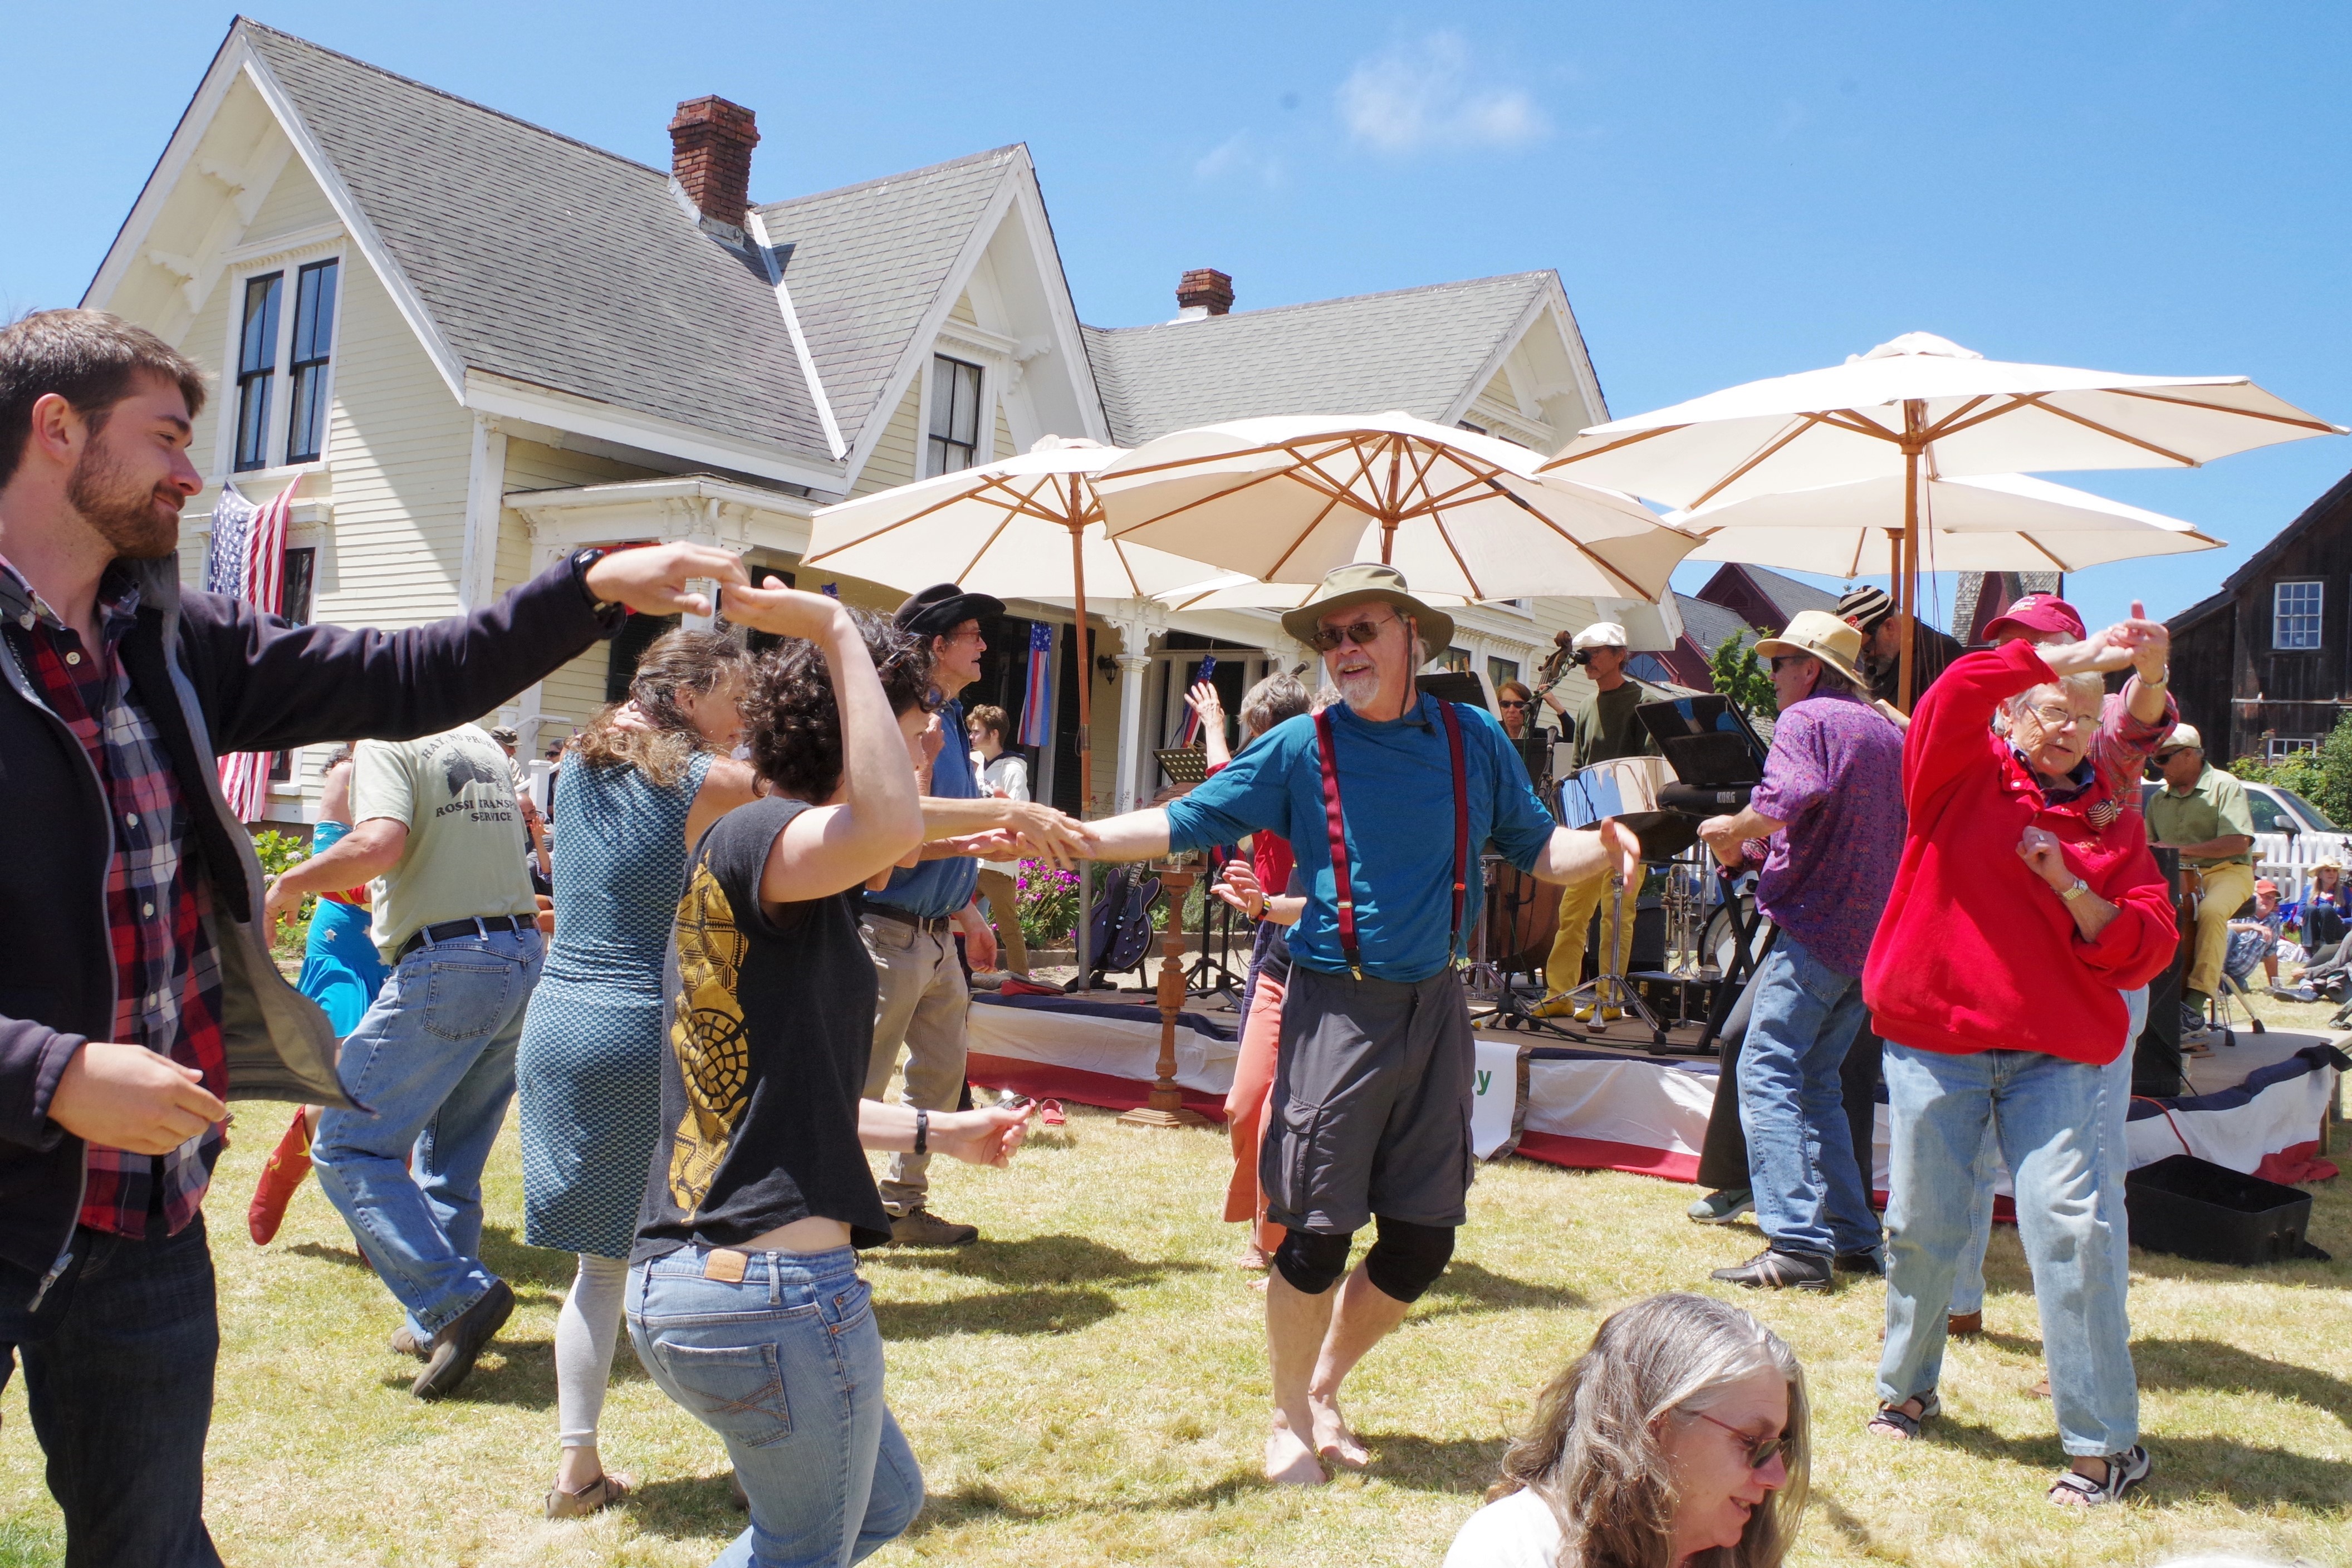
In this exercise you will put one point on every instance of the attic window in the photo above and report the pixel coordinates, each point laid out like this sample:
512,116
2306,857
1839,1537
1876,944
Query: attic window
955,416
314,325
2295,614
257,369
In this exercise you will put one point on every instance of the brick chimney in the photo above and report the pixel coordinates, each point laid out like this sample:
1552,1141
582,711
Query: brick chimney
1205,289
710,143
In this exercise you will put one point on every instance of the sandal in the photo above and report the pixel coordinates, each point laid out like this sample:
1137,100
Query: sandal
1894,1424
594,1498
2124,1472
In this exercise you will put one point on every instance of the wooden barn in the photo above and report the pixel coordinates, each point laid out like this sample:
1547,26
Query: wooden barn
2264,667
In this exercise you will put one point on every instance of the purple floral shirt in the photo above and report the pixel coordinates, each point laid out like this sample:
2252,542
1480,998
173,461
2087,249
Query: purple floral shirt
1834,776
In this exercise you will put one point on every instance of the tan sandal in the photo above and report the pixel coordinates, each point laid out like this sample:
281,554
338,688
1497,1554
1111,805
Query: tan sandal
594,1498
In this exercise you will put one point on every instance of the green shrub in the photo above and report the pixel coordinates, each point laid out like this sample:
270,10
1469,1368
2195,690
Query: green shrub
1736,672
2322,777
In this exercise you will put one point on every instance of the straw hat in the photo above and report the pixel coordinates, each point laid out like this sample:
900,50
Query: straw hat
1823,637
1364,583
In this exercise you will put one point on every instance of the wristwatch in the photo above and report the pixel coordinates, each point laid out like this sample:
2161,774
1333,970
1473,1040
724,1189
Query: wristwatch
923,1132
2076,891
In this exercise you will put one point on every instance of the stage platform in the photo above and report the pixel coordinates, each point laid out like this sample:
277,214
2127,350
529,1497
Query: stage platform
1612,1104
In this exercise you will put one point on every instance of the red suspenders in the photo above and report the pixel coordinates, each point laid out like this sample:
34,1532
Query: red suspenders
1332,818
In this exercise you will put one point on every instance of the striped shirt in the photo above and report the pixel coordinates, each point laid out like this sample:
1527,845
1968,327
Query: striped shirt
167,972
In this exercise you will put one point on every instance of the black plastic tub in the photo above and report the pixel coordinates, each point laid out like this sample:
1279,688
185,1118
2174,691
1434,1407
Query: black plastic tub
2194,1208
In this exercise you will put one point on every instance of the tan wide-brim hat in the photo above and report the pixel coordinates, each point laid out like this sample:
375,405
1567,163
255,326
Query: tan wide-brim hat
1825,637
1344,587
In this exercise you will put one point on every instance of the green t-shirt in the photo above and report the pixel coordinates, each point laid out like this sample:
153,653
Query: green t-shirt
1606,728
2214,807
464,850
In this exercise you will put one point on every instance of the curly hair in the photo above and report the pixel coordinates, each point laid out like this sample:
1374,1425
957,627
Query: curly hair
790,716
1593,1451
676,661
1272,700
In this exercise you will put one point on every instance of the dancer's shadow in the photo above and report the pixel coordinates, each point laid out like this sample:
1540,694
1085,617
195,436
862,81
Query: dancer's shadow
970,1502
1058,1259
1039,1310
2208,1363
1464,1465
515,1372
685,1506
1468,1286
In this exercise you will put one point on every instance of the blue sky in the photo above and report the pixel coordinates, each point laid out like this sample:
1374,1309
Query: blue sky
1728,191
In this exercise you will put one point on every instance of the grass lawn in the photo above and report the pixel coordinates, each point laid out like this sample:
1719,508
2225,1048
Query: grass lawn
1087,1385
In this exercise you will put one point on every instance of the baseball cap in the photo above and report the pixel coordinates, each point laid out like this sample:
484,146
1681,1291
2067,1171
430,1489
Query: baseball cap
2036,615
2267,885
2184,738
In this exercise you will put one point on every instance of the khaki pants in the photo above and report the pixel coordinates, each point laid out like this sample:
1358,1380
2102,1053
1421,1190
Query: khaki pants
2228,886
1003,895
1564,967
921,1003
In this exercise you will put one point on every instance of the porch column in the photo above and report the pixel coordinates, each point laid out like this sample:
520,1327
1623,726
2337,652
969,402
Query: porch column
1131,667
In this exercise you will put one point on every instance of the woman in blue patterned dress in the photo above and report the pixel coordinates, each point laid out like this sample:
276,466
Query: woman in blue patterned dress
643,780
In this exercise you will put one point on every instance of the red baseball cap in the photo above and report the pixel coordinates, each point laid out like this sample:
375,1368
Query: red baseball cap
2036,615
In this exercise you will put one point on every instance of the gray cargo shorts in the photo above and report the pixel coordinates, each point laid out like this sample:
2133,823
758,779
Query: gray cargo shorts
1370,1108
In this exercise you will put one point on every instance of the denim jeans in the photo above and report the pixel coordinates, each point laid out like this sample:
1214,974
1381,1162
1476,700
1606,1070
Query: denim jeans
2067,1165
785,1364
118,1375
2114,1105
435,1057
1809,1192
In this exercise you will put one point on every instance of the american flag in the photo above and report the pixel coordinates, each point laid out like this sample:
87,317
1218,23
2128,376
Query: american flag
1037,696
247,560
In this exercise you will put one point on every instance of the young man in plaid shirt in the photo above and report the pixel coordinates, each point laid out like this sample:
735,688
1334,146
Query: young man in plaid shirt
137,993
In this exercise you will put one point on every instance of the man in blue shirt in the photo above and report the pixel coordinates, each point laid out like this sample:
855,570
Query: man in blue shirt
911,925
1369,1113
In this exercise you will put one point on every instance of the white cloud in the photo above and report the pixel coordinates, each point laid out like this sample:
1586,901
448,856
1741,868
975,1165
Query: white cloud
1237,157
1419,94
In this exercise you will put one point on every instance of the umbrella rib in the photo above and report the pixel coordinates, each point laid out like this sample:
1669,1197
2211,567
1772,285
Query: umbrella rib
993,535
1846,419
1950,420
2305,422
1581,548
2044,552
1562,461
1469,578
1952,424
1804,422
2089,424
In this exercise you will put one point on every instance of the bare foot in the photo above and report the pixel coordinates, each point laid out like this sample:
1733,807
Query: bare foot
1251,1257
1333,1440
1287,1461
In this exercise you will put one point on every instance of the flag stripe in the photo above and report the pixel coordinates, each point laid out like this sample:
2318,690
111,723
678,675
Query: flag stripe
248,562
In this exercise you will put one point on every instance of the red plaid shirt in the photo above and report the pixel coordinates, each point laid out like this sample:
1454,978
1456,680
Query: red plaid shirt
167,975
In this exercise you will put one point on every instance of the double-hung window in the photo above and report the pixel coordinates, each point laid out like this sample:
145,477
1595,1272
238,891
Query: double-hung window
263,346
2294,614
955,416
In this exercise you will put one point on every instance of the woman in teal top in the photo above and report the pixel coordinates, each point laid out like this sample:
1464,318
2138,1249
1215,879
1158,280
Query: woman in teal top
640,785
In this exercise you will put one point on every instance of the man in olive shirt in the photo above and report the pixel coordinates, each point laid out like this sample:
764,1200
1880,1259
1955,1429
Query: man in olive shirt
2201,811
1605,728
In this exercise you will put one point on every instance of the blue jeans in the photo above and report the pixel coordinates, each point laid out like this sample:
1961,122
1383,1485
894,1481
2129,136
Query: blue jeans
785,1364
118,1375
435,1056
2114,1105
2067,1165
1810,1195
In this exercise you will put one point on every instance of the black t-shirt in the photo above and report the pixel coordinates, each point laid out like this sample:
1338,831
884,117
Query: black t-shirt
769,1025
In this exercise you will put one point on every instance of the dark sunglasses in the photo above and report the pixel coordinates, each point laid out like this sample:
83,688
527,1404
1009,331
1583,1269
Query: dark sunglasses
1762,1451
1512,702
1363,634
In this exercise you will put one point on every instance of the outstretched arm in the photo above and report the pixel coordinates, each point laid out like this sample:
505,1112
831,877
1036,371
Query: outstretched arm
1580,854
1137,836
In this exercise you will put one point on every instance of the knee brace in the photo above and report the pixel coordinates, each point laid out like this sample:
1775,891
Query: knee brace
1312,1263
1407,1258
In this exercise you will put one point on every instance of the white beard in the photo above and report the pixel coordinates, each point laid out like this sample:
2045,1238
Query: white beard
1359,686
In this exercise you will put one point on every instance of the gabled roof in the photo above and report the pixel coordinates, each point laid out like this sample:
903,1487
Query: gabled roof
2336,504
1787,594
1413,349
866,263
547,261
1706,623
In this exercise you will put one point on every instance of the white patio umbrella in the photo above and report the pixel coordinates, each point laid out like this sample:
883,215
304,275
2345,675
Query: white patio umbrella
1027,527
1238,591
1921,406
1998,523
1285,500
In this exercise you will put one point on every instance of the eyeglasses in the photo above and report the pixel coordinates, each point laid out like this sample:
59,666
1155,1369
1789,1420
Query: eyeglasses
1512,702
1762,1451
1363,634
975,634
2052,717
1781,659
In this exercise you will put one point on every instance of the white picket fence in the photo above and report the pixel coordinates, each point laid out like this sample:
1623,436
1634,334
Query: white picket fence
2286,859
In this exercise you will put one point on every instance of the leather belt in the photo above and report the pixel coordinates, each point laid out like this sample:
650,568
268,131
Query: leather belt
938,925
450,931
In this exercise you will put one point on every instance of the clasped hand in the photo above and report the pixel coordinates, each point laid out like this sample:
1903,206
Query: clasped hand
2040,849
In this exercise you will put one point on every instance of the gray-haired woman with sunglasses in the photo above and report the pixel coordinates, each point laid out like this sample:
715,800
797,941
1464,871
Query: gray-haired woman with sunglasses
1680,1437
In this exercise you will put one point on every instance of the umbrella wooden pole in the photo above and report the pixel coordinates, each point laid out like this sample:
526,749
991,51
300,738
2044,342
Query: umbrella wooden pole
1908,602
1084,740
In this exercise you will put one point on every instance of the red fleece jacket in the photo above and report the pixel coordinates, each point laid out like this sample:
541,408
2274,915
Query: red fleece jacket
1976,952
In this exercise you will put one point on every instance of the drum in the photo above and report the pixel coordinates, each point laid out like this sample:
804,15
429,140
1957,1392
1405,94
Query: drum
1521,916
1718,942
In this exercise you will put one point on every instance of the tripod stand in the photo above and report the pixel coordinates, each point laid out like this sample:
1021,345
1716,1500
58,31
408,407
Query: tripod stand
1212,973
1610,988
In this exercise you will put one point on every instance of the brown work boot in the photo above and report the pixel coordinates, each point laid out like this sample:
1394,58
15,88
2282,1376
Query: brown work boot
1964,1325
921,1227
454,1350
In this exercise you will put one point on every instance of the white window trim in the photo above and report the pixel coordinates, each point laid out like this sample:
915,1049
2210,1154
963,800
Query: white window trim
289,260
2277,746
2319,583
954,346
